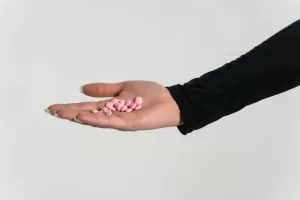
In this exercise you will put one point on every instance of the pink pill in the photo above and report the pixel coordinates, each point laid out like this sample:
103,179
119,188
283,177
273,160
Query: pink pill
122,102
114,101
128,110
132,102
138,100
138,107
110,106
128,102
124,108
105,110
120,106
109,112
133,106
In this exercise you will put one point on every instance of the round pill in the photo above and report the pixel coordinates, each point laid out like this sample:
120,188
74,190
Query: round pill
109,112
128,102
105,110
110,106
138,107
133,106
138,100
124,108
120,106
116,105
122,102
114,101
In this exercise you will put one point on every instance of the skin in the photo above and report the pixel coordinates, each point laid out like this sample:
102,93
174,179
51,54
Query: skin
159,109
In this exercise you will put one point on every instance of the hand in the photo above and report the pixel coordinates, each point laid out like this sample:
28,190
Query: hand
159,109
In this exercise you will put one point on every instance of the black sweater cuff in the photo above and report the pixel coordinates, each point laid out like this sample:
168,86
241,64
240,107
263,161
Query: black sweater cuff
176,92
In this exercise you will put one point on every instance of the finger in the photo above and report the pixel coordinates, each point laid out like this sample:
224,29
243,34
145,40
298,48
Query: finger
102,89
53,109
68,114
96,120
118,121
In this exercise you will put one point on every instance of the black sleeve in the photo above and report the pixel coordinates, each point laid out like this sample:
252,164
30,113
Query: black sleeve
268,69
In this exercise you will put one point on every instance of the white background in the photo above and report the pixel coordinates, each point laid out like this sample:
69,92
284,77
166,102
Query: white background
50,48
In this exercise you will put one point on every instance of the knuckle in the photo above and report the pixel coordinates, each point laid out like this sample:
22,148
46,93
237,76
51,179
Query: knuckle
61,113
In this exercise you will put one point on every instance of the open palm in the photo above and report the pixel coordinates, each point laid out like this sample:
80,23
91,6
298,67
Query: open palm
159,109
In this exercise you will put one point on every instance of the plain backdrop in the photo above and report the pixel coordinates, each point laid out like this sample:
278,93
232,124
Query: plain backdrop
50,48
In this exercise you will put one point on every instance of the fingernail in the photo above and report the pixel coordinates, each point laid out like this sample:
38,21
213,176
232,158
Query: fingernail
78,121
47,111
81,89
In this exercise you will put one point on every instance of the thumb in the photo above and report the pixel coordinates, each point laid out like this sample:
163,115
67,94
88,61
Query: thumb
102,89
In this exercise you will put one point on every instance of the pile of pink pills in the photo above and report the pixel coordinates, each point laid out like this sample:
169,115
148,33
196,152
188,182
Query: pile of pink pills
121,106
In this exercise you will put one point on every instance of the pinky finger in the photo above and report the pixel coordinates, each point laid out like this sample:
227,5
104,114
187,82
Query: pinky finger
98,120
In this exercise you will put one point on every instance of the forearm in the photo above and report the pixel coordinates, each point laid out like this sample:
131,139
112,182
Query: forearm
270,68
